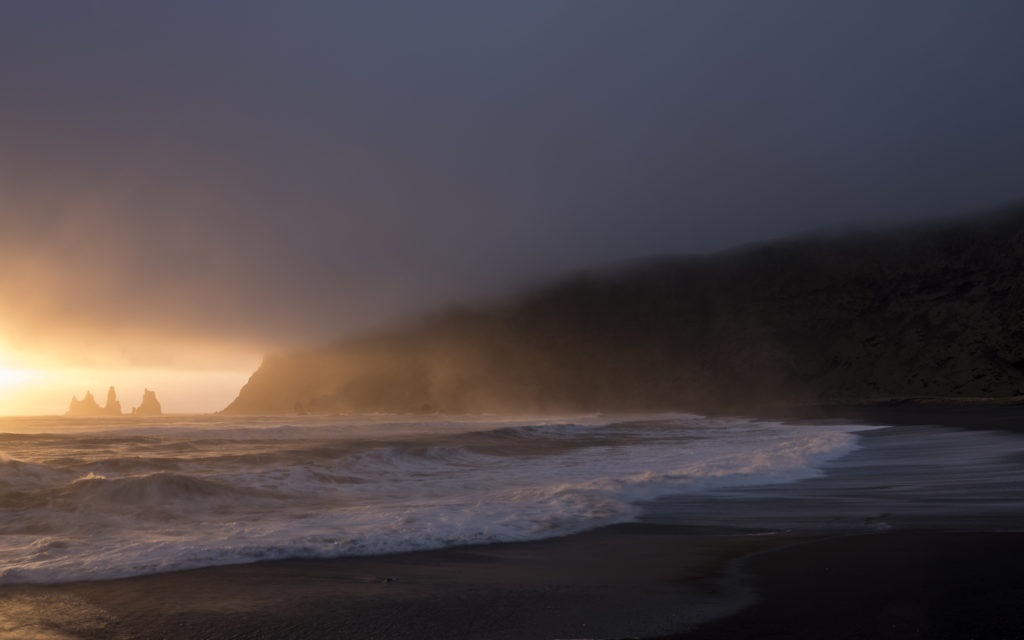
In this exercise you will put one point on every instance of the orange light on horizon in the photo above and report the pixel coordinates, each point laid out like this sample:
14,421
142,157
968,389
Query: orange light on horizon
204,377
25,392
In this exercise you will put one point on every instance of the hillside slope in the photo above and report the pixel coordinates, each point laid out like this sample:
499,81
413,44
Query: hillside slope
928,311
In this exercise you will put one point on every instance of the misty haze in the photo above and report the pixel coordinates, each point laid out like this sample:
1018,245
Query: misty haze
527,320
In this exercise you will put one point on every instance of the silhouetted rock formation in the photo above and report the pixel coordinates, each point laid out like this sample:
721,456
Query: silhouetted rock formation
87,405
150,405
932,311
113,406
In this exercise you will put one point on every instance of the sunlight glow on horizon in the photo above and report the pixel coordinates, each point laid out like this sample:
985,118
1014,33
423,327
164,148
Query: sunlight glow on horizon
10,377
29,385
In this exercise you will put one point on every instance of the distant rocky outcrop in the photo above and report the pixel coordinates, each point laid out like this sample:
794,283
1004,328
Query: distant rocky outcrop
113,406
150,405
928,312
87,405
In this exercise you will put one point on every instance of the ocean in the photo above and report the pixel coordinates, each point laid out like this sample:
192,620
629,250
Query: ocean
86,499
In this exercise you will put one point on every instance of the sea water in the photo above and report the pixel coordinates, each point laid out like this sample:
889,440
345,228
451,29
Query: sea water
103,498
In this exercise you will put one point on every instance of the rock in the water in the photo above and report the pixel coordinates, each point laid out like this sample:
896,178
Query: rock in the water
113,407
87,406
150,405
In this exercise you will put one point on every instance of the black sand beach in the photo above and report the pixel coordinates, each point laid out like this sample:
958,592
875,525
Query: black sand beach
523,320
625,581
892,585
621,581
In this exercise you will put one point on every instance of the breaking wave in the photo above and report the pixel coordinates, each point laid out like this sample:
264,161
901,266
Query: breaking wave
128,500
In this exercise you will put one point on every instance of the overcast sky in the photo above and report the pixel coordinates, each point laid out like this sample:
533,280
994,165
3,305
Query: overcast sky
266,172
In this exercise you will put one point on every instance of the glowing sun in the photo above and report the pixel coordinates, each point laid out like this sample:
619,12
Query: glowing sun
9,377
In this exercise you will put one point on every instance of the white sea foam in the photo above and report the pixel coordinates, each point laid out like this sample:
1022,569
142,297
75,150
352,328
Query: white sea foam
110,500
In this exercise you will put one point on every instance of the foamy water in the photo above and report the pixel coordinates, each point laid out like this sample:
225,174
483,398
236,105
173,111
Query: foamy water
102,498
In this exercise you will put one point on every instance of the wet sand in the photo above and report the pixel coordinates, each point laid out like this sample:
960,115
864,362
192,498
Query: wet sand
622,581
942,582
895,585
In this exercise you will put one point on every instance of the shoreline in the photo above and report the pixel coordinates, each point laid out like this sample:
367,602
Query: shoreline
619,581
994,415
624,581
949,580
901,584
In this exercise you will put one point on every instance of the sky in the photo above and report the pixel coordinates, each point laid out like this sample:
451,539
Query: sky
185,186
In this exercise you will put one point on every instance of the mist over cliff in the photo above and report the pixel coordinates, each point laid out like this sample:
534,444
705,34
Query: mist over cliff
934,311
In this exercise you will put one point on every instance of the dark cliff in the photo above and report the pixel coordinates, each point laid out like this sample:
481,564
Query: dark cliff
932,311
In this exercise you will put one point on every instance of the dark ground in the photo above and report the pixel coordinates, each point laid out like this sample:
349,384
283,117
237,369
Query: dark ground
893,585
622,582
614,582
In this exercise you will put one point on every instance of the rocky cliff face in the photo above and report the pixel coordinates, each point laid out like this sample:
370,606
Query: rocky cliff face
87,405
150,406
927,312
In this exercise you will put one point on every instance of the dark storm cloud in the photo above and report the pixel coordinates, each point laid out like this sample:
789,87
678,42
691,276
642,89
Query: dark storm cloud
271,171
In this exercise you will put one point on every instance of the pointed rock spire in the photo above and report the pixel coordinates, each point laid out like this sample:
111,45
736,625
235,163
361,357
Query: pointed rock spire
113,406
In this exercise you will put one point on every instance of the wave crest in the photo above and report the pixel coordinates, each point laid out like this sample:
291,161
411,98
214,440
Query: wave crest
153,488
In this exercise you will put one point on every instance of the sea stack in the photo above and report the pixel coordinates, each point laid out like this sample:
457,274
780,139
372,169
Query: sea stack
87,406
150,405
113,407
